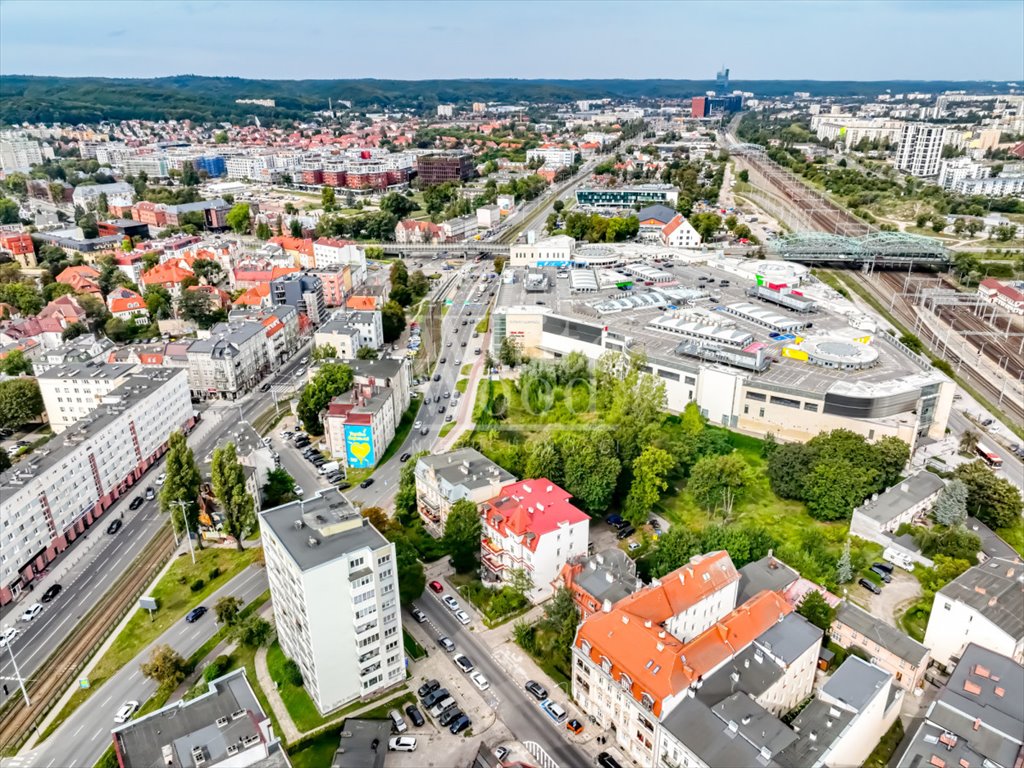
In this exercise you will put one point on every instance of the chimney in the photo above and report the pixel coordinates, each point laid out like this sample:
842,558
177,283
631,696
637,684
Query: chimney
771,560
647,623
606,606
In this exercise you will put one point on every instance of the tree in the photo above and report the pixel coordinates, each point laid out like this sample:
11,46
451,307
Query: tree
590,468
392,318
239,219
510,352
521,583
189,175
545,460
295,228
891,456
844,568
207,270
5,460
22,296
816,610
263,230
73,331
743,176
95,310
650,470
331,380
15,363
165,666
158,302
706,224
397,204
53,291
462,535
327,199
991,499
366,353
279,488
228,480
325,352
227,609
195,306
378,518
716,482
558,205
102,204
179,495
951,505
834,488
254,631
411,577
969,442
20,402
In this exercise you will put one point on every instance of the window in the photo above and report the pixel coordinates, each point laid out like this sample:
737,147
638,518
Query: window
690,380
812,407
760,413
668,375
758,396
785,401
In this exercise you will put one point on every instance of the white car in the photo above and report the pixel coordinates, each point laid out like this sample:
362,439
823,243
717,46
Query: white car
480,681
124,714
298,490
402,744
31,612
160,480
463,662
7,636
462,617
451,602
417,425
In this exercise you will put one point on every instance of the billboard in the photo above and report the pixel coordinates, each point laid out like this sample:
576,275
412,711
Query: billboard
359,446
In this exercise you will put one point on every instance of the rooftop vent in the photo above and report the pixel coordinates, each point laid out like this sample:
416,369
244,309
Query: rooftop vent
238,714
312,541
251,740
199,755
222,721
232,750
297,525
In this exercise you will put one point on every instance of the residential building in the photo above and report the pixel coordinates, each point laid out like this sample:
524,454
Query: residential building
767,573
531,526
83,278
125,304
329,253
445,110
1006,184
20,246
977,719
169,275
118,193
281,329
445,478
72,391
458,229
597,582
228,361
878,518
1001,294
553,156
439,168
334,585
223,726
889,648
337,283
627,197
359,425
350,330
49,500
386,372
679,233
410,231
87,348
981,606
920,150
18,154
301,290
551,251
653,219
488,216
957,170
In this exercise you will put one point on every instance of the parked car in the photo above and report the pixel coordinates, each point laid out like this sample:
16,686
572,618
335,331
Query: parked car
435,696
417,614
31,612
460,725
625,533
451,603
366,483
575,726
124,714
463,662
502,753
870,586
436,586
449,715
150,494
427,688
414,715
613,519
114,527
402,744
883,575
51,593
136,503
397,723
535,689
405,457
161,478
8,635
607,761
480,681
195,614
446,644
555,711
441,705
462,617
882,567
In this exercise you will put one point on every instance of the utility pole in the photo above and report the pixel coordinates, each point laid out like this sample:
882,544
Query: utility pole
17,675
183,505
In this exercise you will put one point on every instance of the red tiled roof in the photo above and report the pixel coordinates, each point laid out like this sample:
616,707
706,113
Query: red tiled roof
296,244
531,507
253,297
361,302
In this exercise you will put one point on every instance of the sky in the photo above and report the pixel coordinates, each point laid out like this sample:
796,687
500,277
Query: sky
296,39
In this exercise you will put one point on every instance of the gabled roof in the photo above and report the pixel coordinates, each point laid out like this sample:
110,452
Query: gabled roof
995,590
531,508
661,213
885,635
255,296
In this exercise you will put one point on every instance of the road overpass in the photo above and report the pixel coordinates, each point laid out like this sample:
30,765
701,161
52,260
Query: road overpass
468,248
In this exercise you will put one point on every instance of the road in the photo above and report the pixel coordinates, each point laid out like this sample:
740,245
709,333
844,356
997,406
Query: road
100,558
516,708
83,737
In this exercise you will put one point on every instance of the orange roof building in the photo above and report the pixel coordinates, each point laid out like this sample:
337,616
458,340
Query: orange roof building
170,274
362,302
257,296
126,304
83,278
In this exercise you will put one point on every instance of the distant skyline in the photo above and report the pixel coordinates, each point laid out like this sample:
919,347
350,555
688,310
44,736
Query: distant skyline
761,40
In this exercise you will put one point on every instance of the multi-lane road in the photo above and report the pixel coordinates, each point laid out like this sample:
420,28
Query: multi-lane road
84,736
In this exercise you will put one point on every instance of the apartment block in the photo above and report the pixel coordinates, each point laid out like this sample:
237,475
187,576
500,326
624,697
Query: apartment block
301,290
49,500
19,245
445,478
920,149
367,326
229,362
18,154
334,588
439,168
359,425
889,648
597,582
553,156
73,391
531,526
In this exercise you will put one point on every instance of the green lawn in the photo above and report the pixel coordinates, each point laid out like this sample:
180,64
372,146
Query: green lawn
1014,536
175,599
485,322
413,649
461,385
356,476
464,370
446,429
915,620
300,706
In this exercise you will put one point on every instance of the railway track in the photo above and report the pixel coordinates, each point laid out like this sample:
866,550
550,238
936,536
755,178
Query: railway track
965,361
18,721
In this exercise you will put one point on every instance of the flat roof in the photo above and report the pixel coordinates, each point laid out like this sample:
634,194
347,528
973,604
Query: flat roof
994,589
321,529
87,370
355,748
856,683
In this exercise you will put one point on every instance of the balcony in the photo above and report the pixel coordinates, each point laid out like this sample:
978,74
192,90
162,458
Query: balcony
492,564
490,546
430,513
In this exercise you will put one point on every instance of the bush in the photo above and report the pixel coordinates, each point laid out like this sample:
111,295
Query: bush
197,585
292,673
214,573
217,667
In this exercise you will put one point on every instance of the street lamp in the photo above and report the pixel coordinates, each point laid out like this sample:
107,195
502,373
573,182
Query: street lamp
182,505
17,673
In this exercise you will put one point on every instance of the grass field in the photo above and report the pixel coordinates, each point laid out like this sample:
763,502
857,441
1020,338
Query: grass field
300,707
446,429
461,385
413,649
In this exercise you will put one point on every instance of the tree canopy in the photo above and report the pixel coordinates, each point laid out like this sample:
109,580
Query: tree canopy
331,380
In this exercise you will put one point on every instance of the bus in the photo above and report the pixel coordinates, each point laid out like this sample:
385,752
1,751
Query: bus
990,457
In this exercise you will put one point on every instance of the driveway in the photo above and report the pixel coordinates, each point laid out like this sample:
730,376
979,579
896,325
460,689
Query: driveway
896,597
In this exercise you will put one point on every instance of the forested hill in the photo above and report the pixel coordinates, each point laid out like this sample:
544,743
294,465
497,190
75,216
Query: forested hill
91,99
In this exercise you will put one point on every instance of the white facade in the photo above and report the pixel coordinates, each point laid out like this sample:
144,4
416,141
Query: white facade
557,249
374,407
252,167
72,392
679,233
1003,185
553,157
960,169
47,501
229,362
18,154
920,149
445,110
328,253
488,216
118,193
334,586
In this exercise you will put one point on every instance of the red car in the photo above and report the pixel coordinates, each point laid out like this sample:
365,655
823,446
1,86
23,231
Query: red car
436,586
